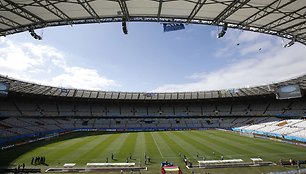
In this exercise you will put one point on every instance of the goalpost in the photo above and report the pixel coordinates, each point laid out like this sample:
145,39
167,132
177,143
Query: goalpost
247,134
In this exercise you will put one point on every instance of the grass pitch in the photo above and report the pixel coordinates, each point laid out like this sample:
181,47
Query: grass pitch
84,147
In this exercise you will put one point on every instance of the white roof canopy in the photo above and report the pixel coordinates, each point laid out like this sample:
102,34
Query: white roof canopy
284,18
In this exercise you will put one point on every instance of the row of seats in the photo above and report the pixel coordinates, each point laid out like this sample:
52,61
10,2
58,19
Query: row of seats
17,126
68,109
289,127
14,126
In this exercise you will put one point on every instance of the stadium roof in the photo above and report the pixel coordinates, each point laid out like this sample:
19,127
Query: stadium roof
284,18
17,86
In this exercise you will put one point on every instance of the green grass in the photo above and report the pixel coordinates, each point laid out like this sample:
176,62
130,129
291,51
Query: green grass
83,147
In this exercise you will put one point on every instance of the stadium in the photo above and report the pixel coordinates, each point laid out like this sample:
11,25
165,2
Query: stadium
49,129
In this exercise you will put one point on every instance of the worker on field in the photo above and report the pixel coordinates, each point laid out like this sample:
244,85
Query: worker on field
41,160
190,164
185,161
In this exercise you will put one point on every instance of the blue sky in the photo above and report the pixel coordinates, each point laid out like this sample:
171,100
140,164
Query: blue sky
101,57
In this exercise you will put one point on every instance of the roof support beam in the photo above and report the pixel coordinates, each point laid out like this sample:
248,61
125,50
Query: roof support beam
8,22
262,13
301,34
53,9
89,9
20,11
195,10
298,30
11,31
124,9
293,27
229,10
160,5
262,89
278,22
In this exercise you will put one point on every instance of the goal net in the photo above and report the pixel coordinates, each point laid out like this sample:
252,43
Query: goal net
247,134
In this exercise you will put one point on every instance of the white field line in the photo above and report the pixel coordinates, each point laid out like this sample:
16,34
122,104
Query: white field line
157,146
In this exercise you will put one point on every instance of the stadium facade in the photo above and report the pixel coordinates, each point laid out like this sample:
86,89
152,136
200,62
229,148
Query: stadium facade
31,110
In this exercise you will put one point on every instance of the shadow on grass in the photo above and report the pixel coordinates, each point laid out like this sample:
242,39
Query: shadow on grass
11,154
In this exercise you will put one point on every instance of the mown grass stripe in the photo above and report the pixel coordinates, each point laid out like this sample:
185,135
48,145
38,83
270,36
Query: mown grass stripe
82,149
202,143
140,147
127,149
151,148
266,150
166,150
44,148
161,154
191,151
113,147
244,141
231,147
258,149
95,149
59,155
53,156
180,149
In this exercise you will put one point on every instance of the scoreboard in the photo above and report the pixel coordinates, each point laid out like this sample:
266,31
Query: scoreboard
288,92
4,89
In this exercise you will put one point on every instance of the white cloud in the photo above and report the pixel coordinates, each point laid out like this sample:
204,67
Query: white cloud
256,47
247,36
76,77
46,65
271,64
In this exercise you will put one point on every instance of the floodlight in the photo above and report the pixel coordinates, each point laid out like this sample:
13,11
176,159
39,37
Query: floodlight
223,31
34,35
287,45
124,28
